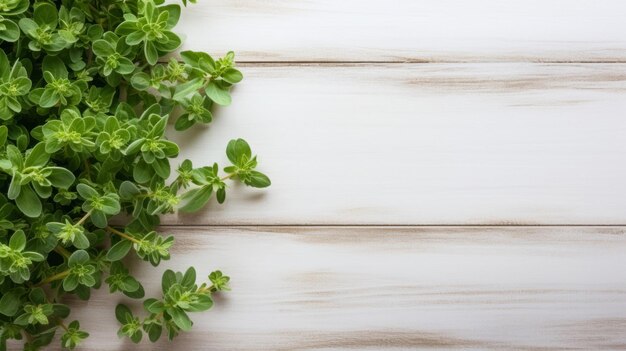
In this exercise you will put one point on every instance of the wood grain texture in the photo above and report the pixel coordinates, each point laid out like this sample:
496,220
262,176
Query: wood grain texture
390,288
408,30
507,143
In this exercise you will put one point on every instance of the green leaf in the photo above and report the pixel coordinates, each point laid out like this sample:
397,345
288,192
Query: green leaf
11,31
45,14
195,199
154,331
70,282
168,279
119,250
102,48
258,180
55,66
18,241
78,257
110,204
123,313
86,192
81,241
232,75
10,302
4,131
180,318
61,177
151,52
128,190
173,12
140,81
186,89
37,157
183,123
189,278
28,202
217,94
236,150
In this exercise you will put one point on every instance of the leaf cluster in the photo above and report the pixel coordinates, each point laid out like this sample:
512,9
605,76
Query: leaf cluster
86,94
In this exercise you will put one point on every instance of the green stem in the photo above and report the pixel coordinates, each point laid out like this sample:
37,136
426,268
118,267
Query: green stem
52,278
62,251
82,220
62,325
209,289
87,169
123,235
228,176
123,91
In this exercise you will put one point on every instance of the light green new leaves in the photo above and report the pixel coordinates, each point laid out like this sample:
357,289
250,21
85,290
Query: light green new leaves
73,336
14,83
59,88
32,179
208,180
41,29
69,233
131,325
216,77
197,110
120,280
152,28
80,272
15,260
111,54
99,206
239,153
153,149
71,132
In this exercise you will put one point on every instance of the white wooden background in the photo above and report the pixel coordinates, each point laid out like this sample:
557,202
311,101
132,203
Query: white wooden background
446,174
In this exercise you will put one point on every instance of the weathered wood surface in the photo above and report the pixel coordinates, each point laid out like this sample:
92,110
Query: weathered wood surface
408,30
394,288
507,143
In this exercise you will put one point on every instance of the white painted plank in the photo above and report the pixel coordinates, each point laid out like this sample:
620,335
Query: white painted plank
521,288
408,30
424,144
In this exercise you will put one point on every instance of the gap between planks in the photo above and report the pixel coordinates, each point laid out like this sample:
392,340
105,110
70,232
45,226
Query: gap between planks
390,226
340,63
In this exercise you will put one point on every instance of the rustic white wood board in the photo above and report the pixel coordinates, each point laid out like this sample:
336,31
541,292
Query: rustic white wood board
374,117
408,30
339,288
487,143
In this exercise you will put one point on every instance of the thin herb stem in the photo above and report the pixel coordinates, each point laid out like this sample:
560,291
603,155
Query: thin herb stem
82,220
123,235
62,325
209,289
52,278
62,251
87,169
228,176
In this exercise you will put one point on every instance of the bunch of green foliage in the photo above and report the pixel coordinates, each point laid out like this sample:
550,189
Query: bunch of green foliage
85,97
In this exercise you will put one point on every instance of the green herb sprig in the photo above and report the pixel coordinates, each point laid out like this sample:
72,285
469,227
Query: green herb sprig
87,89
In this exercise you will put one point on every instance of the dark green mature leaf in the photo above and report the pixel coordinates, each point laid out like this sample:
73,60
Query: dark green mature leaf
237,149
180,318
28,202
10,302
119,250
195,199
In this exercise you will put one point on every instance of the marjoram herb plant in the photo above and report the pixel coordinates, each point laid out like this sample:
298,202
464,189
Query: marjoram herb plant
86,92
